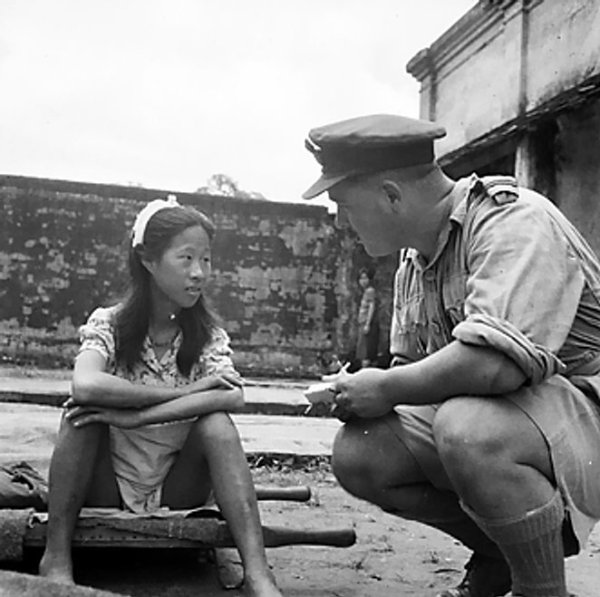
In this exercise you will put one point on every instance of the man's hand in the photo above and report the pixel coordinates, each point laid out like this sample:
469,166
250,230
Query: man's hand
126,418
359,394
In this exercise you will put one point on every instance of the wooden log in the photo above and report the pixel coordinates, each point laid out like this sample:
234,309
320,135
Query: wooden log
288,494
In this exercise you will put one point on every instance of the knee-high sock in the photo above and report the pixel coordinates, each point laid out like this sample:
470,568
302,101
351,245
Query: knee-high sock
532,545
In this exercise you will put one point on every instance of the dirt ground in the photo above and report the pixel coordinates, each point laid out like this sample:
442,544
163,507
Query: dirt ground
391,557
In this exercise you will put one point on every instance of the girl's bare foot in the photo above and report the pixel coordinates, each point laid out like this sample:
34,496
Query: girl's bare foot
261,587
56,569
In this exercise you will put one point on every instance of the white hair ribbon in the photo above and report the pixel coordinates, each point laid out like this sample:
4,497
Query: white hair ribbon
142,219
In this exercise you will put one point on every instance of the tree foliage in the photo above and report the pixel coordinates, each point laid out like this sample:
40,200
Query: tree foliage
225,186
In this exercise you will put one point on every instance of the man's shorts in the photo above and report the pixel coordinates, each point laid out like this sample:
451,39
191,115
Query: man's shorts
567,415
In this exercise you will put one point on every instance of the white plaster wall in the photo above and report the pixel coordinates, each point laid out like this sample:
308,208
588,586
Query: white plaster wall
478,89
564,47
478,67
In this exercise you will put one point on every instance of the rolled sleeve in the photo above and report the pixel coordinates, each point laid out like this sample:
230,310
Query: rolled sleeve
535,361
523,287
98,334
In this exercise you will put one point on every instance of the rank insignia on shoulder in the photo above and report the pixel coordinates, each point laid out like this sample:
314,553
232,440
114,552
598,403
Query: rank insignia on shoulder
502,189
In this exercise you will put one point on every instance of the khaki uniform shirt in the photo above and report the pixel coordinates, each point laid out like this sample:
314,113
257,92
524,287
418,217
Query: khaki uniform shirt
510,273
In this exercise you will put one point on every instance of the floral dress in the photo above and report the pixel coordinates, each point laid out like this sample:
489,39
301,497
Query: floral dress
142,457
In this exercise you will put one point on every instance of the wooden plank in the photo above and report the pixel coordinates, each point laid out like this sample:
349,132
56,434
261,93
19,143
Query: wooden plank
182,532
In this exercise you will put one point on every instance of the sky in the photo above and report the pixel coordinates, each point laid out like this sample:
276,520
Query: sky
166,93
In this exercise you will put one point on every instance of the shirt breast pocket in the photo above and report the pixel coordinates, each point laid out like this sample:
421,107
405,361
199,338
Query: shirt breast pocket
409,329
453,296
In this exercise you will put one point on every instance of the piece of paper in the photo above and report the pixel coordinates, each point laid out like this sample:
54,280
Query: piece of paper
320,393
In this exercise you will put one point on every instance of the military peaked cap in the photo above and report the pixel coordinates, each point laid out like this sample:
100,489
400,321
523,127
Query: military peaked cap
369,144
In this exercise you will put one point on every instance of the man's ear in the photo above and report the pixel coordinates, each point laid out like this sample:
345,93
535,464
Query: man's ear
392,191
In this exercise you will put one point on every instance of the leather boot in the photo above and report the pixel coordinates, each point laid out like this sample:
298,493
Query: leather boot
485,577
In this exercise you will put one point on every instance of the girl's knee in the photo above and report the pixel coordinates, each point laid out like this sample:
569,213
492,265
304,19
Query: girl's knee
86,435
216,427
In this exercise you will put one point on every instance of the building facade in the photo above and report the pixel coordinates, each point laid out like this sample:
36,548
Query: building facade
516,83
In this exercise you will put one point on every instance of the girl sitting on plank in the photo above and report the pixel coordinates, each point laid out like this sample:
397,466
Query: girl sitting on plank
147,425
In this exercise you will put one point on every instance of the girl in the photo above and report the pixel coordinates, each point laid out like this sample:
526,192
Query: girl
147,423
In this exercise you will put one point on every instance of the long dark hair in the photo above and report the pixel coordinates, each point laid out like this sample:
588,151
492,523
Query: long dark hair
133,317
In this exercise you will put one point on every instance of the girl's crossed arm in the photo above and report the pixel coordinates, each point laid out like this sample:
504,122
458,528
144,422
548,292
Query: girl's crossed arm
93,386
183,407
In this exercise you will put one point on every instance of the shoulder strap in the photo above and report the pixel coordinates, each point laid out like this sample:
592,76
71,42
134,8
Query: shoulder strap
503,189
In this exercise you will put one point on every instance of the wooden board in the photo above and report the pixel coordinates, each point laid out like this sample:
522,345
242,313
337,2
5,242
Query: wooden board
182,532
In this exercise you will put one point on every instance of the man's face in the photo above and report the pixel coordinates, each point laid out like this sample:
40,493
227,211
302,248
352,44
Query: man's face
364,205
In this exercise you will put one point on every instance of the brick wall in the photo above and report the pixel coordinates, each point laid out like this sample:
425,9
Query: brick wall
284,279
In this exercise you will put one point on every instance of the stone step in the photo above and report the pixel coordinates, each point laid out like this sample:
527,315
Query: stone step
28,432
267,397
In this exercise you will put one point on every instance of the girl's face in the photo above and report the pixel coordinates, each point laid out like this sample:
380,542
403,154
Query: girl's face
179,275
363,280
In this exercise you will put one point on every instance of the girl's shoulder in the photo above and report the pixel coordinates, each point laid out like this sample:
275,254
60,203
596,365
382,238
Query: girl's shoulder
216,357
98,332
103,316
219,341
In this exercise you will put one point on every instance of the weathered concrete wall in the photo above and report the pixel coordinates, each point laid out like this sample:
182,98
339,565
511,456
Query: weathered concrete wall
283,280
563,47
504,59
483,46
526,74
559,158
578,170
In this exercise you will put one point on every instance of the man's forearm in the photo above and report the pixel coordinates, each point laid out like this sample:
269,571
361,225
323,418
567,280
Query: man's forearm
455,370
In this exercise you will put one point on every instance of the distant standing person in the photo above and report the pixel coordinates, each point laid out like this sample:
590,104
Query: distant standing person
368,324
148,422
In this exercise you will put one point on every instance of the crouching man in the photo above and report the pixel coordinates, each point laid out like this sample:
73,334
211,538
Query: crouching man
488,427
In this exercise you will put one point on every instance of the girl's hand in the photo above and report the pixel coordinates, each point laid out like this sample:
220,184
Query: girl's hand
126,418
224,381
